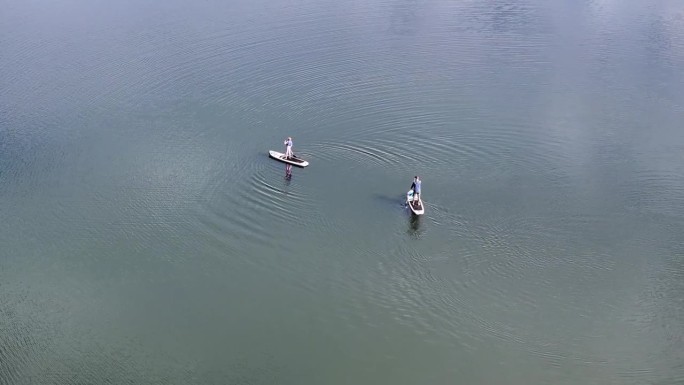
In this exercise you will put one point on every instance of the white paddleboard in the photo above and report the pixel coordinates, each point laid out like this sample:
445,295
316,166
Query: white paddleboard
295,161
415,206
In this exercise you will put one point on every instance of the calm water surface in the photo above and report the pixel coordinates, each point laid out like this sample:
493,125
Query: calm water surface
146,237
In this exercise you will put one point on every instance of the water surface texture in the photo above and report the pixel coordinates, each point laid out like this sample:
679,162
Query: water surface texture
147,238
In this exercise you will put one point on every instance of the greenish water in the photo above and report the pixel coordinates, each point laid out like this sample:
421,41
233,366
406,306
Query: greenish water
147,238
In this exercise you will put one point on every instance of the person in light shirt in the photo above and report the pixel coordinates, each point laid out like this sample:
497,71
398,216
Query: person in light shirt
288,147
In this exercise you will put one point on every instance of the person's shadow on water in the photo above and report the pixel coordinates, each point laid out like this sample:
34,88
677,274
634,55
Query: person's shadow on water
389,200
414,229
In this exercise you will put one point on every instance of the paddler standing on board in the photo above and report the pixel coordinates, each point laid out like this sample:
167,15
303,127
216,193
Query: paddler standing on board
288,147
416,190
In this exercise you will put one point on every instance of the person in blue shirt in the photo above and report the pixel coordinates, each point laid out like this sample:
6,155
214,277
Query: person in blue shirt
416,189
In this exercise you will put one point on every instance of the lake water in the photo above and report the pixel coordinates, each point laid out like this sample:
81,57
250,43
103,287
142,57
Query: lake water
147,238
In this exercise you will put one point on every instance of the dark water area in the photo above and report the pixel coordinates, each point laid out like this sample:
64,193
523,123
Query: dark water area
147,237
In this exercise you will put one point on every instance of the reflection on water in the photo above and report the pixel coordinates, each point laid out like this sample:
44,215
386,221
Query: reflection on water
414,224
414,229
288,173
